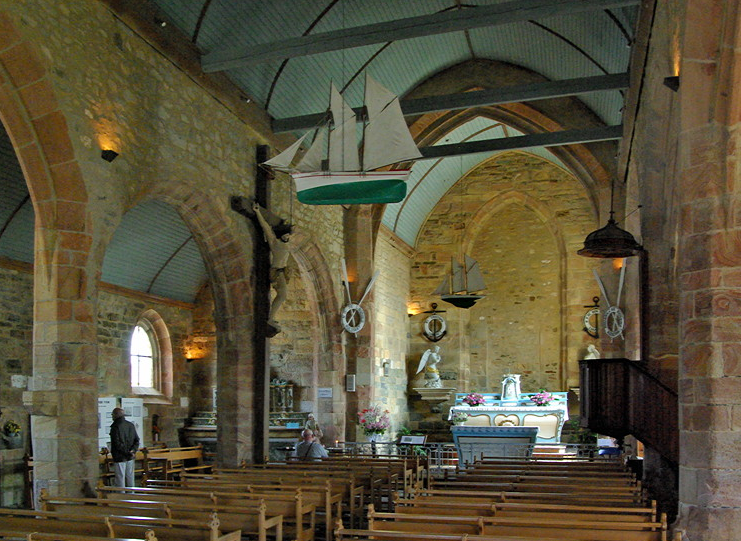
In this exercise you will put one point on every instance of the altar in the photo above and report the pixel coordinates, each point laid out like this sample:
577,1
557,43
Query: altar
517,410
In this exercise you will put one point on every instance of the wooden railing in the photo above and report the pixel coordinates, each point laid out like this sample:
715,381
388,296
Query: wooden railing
619,397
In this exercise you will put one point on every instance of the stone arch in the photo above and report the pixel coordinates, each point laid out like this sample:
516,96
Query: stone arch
65,346
226,247
227,257
591,164
490,209
38,130
329,366
495,204
565,221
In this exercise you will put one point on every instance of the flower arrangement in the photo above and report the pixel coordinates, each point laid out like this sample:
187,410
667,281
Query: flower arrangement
474,399
11,428
542,398
374,420
459,417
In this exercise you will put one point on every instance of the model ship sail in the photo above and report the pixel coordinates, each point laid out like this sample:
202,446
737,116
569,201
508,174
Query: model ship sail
333,173
458,288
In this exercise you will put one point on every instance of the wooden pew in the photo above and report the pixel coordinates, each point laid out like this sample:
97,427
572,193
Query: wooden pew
632,493
464,493
40,536
342,534
410,470
289,504
30,521
251,518
413,470
378,480
354,490
327,494
171,461
565,529
554,479
536,510
105,461
309,498
615,467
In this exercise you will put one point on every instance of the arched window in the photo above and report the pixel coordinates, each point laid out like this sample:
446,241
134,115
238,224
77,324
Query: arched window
150,358
142,359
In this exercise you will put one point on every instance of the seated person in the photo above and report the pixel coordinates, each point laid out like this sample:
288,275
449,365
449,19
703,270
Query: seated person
309,448
608,450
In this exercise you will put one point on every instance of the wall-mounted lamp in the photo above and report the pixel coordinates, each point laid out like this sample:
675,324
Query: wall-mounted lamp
109,155
672,83
193,354
386,367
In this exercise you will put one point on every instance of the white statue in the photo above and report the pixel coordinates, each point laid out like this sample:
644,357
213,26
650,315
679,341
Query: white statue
592,352
430,359
511,387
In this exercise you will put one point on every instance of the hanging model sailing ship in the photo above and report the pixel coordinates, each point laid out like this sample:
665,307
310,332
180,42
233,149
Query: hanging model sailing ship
460,286
337,172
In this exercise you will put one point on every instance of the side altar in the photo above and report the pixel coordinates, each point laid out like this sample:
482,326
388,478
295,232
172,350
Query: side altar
517,410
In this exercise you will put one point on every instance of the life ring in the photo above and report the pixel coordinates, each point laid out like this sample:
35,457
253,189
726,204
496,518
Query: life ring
435,327
353,317
614,322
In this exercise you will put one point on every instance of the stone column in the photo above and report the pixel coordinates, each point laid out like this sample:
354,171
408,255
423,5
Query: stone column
63,393
709,262
359,243
237,438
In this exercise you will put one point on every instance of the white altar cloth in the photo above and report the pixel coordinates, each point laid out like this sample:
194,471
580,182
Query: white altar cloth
549,419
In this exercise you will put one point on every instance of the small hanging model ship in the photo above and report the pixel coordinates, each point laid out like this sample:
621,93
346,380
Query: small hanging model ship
460,286
337,172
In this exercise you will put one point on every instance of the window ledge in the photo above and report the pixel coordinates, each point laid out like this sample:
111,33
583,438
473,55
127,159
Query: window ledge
150,395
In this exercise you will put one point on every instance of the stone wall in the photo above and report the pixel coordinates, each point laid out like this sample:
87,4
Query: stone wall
117,316
293,350
517,327
391,327
200,352
16,324
522,219
178,143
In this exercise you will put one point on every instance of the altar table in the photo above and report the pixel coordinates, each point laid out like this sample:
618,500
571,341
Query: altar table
520,412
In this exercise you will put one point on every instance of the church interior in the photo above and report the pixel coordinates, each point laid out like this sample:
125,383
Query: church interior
573,163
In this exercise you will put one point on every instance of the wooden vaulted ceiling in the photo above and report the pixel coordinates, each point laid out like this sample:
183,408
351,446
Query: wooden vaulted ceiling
282,55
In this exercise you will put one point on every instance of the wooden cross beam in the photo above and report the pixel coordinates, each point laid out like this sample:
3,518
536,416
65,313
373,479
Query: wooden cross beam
480,98
236,56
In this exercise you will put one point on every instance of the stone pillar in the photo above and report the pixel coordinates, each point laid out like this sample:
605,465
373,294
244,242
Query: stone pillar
359,243
709,261
236,435
63,393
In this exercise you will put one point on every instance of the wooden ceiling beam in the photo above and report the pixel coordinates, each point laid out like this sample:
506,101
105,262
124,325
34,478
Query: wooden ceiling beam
236,56
479,98
520,142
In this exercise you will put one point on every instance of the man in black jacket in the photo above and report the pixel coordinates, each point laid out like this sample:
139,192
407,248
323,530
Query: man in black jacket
124,445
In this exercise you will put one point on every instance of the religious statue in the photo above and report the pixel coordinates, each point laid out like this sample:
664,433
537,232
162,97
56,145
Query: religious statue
511,387
592,352
430,358
280,251
313,425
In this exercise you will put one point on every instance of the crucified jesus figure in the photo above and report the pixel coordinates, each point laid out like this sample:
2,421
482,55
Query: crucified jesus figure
280,251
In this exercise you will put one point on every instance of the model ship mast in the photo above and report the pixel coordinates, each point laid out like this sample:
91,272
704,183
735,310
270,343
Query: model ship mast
459,287
333,173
